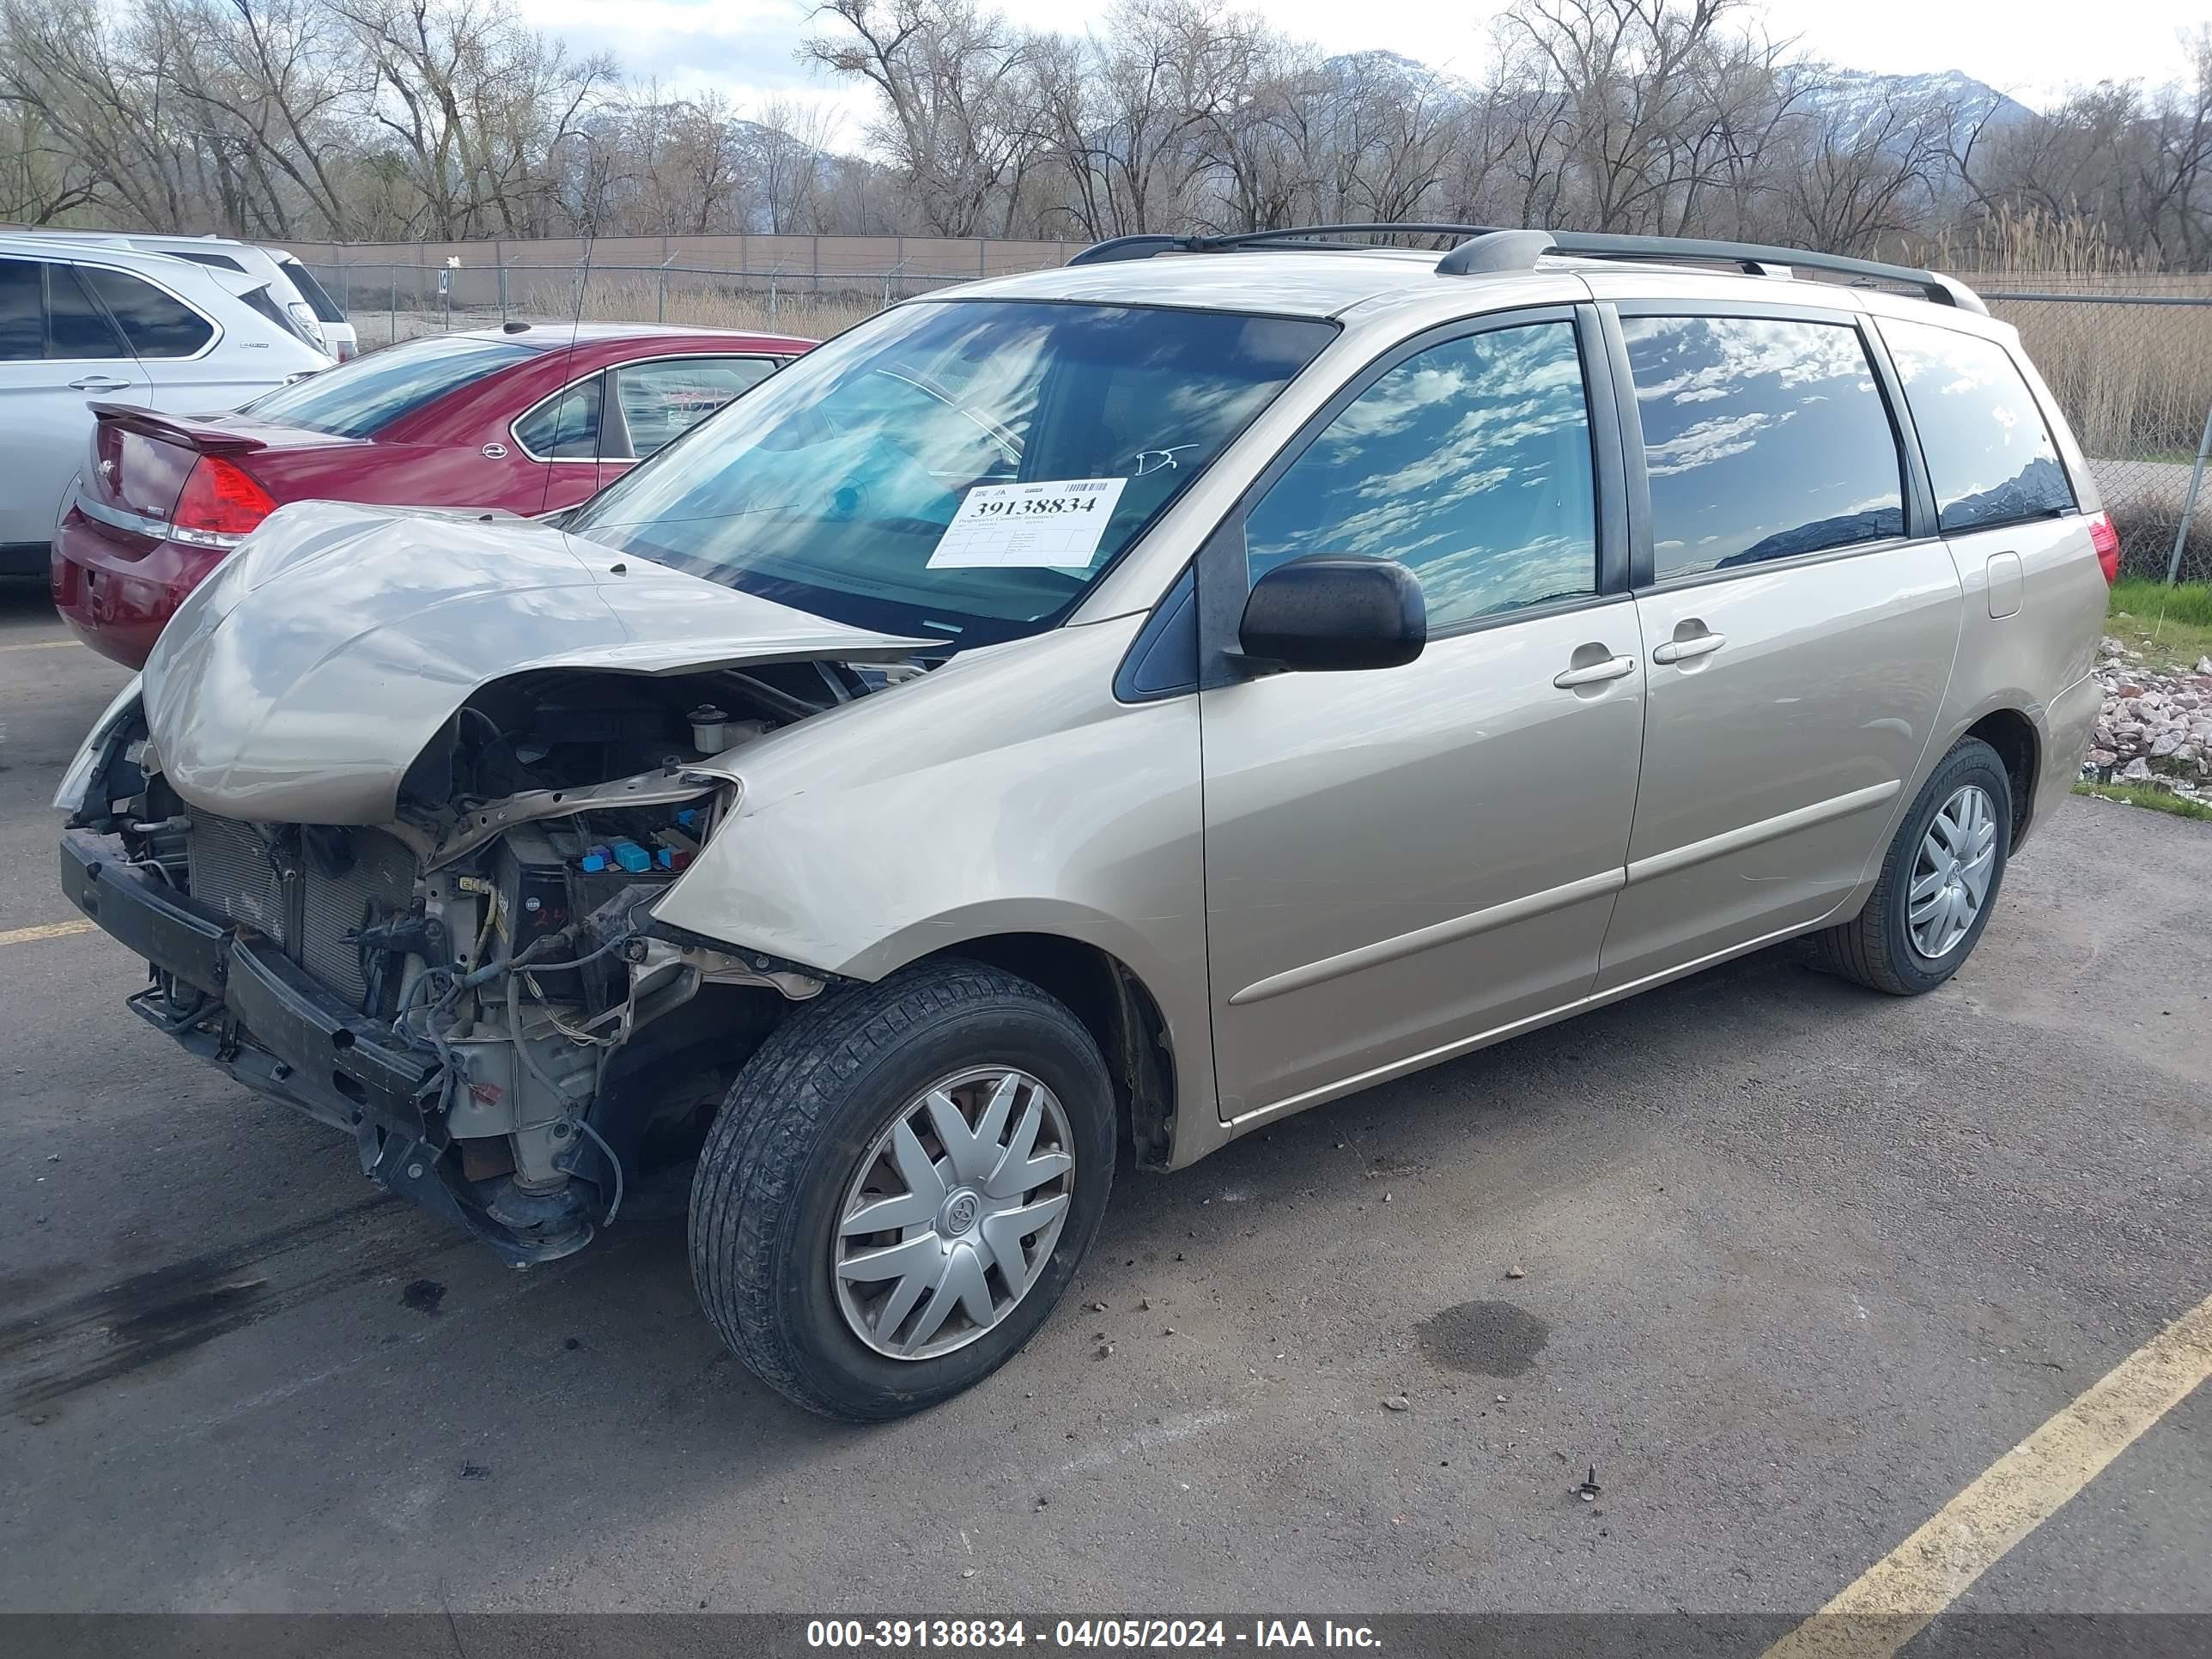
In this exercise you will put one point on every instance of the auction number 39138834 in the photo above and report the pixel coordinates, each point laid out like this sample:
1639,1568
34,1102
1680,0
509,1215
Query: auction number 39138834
1085,1635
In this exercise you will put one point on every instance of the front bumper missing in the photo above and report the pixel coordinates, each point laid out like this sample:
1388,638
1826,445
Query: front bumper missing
274,1029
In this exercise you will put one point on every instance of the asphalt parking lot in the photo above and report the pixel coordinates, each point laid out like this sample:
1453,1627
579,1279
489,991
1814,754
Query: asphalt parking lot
1789,1264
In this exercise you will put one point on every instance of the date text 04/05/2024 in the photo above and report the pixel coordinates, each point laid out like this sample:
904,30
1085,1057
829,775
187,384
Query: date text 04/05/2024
1123,1635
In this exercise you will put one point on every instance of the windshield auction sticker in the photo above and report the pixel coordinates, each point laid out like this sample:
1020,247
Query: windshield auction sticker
1028,526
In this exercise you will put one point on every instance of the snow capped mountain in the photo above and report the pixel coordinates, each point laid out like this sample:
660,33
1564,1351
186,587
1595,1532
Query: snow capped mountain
1855,99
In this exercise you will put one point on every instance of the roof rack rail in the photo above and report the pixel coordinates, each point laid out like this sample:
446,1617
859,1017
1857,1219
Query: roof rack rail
1758,259
1490,248
1307,238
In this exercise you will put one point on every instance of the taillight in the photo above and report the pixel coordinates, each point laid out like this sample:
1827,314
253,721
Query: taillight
2107,541
220,503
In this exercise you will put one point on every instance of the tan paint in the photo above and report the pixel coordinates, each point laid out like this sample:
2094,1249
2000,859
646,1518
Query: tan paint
1360,826
1351,876
1810,718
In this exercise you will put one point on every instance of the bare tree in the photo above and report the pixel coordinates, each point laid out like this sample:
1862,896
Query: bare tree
477,105
40,180
1851,185
97,83
453,118
949,76
790,151
1639,115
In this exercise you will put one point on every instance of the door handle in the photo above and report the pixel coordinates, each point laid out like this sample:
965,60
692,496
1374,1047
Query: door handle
98,383
1683,650
1611,669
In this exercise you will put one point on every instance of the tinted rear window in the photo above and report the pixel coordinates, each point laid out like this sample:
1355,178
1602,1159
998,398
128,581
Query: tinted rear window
22,311
155,324
360,399
318,298
75,327
219,261
1763,438
1989,453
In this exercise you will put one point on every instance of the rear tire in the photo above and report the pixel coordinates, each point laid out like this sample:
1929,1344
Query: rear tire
836,1114
1913,935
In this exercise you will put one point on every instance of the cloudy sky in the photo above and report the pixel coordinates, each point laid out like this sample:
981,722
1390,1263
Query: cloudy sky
2030,48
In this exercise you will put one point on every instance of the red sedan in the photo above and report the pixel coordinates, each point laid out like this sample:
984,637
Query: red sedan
526,420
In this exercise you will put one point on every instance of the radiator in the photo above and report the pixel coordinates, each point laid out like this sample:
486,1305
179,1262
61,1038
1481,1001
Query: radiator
380,884
234,871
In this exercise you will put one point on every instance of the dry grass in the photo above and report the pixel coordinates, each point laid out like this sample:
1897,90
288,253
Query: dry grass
2134,380
2059,249
635,299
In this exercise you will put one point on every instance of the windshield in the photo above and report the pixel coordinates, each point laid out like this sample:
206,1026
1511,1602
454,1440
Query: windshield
360,399
964,469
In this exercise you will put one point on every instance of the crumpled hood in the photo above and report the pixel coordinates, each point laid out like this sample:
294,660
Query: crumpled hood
299,681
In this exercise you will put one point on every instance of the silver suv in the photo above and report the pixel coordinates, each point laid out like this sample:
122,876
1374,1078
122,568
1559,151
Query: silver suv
1078,719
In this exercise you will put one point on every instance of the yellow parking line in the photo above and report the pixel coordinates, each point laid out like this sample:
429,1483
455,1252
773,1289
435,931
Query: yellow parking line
52,930
38,645
1893,1599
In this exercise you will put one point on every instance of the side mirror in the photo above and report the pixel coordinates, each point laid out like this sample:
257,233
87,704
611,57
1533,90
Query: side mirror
1334,612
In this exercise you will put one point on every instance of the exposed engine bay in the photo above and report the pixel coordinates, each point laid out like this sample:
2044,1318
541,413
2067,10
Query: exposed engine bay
541,1045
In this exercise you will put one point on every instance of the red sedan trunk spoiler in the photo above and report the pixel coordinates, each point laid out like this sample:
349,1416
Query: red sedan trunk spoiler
205,437
167,474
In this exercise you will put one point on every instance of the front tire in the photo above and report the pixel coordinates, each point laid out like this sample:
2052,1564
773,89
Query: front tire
899,1187
1939,882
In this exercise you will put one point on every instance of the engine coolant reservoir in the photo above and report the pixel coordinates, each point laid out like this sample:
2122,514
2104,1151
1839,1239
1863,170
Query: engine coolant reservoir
714,732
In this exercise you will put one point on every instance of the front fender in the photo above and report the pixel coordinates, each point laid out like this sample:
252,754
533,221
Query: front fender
1008,792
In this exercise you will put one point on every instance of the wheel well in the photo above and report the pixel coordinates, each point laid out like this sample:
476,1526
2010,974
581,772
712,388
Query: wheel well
2012,734
1118,1012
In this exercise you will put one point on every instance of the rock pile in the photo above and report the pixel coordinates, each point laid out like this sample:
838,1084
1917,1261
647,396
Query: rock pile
2156,726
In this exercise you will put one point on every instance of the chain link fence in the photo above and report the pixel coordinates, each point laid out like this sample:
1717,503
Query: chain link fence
2133,370
389,302
2133,373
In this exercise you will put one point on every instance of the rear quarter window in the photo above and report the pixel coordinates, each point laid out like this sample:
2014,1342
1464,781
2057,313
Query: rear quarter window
564,427
1763,438
1988,450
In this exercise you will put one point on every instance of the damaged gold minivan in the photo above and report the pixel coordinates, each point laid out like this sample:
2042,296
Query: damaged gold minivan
1075,719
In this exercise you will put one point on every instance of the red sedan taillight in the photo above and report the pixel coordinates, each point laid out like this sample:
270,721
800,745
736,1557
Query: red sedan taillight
220,504
2107,541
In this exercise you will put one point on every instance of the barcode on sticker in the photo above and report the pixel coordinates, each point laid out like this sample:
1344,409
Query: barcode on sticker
1051,525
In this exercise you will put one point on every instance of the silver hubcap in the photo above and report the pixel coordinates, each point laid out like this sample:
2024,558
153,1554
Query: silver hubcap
953,1212
1951,877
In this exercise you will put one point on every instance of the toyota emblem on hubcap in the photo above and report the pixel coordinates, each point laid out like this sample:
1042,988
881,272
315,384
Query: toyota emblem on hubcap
960,1214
